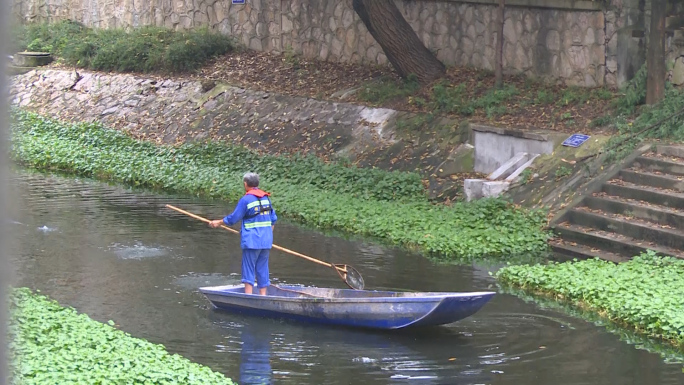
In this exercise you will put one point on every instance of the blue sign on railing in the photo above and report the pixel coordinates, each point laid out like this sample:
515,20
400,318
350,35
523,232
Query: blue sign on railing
238,1
576,140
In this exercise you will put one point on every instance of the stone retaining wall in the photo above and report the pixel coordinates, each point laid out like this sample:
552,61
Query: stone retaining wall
575,42
175,110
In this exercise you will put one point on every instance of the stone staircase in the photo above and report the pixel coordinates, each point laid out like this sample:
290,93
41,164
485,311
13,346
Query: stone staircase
640,208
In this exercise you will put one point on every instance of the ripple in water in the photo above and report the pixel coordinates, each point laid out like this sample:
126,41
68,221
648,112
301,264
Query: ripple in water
137,251
46,229
502,332
365,360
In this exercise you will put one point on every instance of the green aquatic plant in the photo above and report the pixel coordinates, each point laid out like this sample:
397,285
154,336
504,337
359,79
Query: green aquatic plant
669,353
51,344
198,167
645,293
391,206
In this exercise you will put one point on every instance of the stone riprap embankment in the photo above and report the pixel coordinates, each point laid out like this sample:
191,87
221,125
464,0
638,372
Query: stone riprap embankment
175,110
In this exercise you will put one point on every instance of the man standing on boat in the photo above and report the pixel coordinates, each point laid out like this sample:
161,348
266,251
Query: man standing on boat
258,219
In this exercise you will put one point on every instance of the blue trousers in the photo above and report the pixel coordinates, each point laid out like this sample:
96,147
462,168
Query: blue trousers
255,265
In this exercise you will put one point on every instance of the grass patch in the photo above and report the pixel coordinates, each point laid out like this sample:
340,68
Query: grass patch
544,97
386,89
633,94
470,93
147,49
662,121
392,206
51,344
646,293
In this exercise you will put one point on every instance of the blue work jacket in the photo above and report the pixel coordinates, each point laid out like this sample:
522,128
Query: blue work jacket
256,232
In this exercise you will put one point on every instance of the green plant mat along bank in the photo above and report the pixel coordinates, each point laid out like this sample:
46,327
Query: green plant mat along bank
646,293
51,344
146,49
389,205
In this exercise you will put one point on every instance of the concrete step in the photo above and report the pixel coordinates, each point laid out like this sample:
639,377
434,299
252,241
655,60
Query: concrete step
642,209
567,251
671,238
668,150
644,193
636,209
616,243
659,165
662,181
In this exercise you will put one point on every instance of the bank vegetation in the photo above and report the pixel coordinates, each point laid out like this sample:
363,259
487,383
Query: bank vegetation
645,294
391,206
52,344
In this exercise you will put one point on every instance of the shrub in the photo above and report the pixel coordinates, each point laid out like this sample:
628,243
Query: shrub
633,94
145,49
49,37
388,89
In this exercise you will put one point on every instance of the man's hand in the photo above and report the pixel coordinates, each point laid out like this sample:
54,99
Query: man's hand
216,223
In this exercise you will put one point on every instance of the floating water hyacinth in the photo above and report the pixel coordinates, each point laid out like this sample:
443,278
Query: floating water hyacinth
645,293
51,344
392,206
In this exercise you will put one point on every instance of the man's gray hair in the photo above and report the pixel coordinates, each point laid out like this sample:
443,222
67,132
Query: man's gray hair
252,179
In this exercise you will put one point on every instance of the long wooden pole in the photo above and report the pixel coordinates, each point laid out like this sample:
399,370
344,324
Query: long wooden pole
274,246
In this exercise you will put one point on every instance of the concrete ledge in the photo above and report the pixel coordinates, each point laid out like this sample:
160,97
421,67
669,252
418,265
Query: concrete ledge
524,134
481,188
577,5
495,146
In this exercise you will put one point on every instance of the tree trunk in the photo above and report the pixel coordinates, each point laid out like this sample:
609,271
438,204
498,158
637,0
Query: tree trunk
398,40
498,58
655,60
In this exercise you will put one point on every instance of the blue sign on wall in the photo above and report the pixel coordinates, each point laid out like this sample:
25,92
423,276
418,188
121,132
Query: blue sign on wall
575,140
238,1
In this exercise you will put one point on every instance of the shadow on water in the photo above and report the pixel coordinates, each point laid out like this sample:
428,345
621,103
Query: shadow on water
255,356
117,253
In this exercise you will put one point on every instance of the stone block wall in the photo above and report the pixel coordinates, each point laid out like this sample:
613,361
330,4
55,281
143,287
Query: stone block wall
576,42
256,23
563,45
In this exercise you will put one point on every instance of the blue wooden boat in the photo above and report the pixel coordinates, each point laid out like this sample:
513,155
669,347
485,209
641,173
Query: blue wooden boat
346,307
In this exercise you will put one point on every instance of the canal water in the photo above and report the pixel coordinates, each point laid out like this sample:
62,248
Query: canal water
118,254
